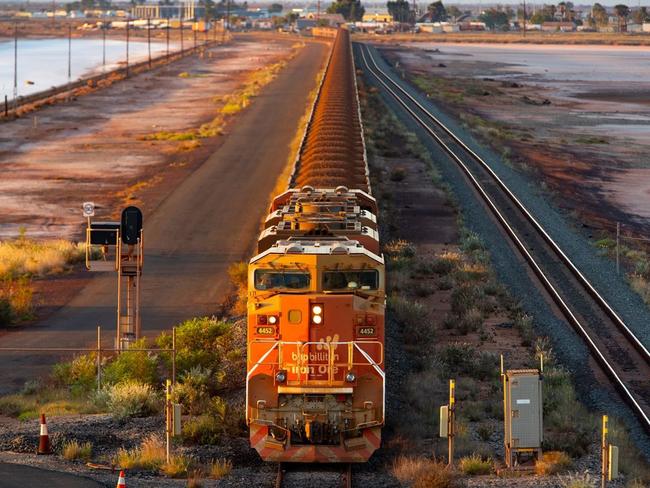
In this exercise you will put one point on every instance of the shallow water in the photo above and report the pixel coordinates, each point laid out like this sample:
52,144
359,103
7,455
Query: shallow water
555,62
44,62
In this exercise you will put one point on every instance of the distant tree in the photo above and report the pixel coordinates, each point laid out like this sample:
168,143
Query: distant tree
400,10
599,14
622,12
352,10
454,12
437,12
495,18
641,15
275,8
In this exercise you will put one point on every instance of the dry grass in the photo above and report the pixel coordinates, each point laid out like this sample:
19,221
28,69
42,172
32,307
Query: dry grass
579,481
219,468
24,256
132,399
150,455
177,467
423,473
238,273
73,450
552,462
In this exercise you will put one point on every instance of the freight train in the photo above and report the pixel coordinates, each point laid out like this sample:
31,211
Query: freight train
315,384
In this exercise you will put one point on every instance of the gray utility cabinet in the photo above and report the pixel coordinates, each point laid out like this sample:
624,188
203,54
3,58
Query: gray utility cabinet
522,414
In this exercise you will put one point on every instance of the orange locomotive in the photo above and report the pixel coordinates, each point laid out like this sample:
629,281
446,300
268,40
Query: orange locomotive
315,385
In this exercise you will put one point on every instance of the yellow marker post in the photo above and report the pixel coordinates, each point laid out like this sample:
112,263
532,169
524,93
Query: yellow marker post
604,454
451,420
168,418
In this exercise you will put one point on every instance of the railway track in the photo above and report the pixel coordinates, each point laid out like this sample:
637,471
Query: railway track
623,358
340,476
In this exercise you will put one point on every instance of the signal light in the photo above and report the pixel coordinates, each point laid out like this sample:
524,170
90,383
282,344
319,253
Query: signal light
317,314
273,320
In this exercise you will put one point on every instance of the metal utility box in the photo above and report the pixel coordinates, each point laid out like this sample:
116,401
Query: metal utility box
522,413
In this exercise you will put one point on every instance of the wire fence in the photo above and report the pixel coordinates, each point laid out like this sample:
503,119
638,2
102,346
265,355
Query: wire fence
101,352
168,50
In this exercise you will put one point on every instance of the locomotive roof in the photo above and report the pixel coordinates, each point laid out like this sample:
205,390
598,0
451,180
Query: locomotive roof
334,246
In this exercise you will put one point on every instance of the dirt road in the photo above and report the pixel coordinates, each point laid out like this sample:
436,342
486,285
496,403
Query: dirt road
209,221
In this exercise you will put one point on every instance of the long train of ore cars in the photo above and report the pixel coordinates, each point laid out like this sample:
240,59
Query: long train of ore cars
315,384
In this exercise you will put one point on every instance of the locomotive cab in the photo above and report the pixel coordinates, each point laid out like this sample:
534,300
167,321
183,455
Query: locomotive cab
315,383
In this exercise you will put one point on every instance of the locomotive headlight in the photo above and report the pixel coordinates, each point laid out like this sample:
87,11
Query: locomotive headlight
350,377
273,320
281,376
317,314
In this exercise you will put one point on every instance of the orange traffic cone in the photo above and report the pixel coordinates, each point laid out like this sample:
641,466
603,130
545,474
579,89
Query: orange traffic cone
121,482
44,440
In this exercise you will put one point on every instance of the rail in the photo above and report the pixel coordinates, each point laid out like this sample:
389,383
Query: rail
608,368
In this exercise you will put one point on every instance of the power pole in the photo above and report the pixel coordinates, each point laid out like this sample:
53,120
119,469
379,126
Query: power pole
15,66
127,47
524,18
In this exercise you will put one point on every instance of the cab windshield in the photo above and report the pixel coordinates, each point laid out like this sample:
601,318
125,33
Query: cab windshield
367,279
266,279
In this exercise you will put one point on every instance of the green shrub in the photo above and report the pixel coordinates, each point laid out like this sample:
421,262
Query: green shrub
460,359
412,318
6,314
465,297
397,174
471,321
475,465
132,399
73,450
203,430
198,343
193,390
79,375
133,365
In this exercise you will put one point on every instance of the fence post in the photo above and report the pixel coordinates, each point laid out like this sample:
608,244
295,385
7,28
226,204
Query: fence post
6,106
99,357
173,355
618,250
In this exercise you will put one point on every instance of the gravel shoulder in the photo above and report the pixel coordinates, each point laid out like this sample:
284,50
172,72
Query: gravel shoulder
566,344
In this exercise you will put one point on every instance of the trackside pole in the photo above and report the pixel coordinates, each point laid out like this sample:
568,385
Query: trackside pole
168,418
604,458
451,421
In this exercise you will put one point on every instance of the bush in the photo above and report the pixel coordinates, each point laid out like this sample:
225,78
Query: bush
462,359
475,465
471,321
193,390
200,342
220,468
79,375
73,450
398,174
132,399
137,366
6,313
552,462
151,455
413,318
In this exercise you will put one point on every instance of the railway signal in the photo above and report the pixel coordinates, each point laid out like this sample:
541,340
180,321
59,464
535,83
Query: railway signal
122,251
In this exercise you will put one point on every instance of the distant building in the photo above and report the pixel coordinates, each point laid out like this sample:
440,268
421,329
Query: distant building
379,17
558,26
185,10
646,27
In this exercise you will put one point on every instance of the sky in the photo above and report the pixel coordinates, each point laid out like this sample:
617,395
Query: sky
483,3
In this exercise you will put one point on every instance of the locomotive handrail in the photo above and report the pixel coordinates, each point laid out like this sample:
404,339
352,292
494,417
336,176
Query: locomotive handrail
304,365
